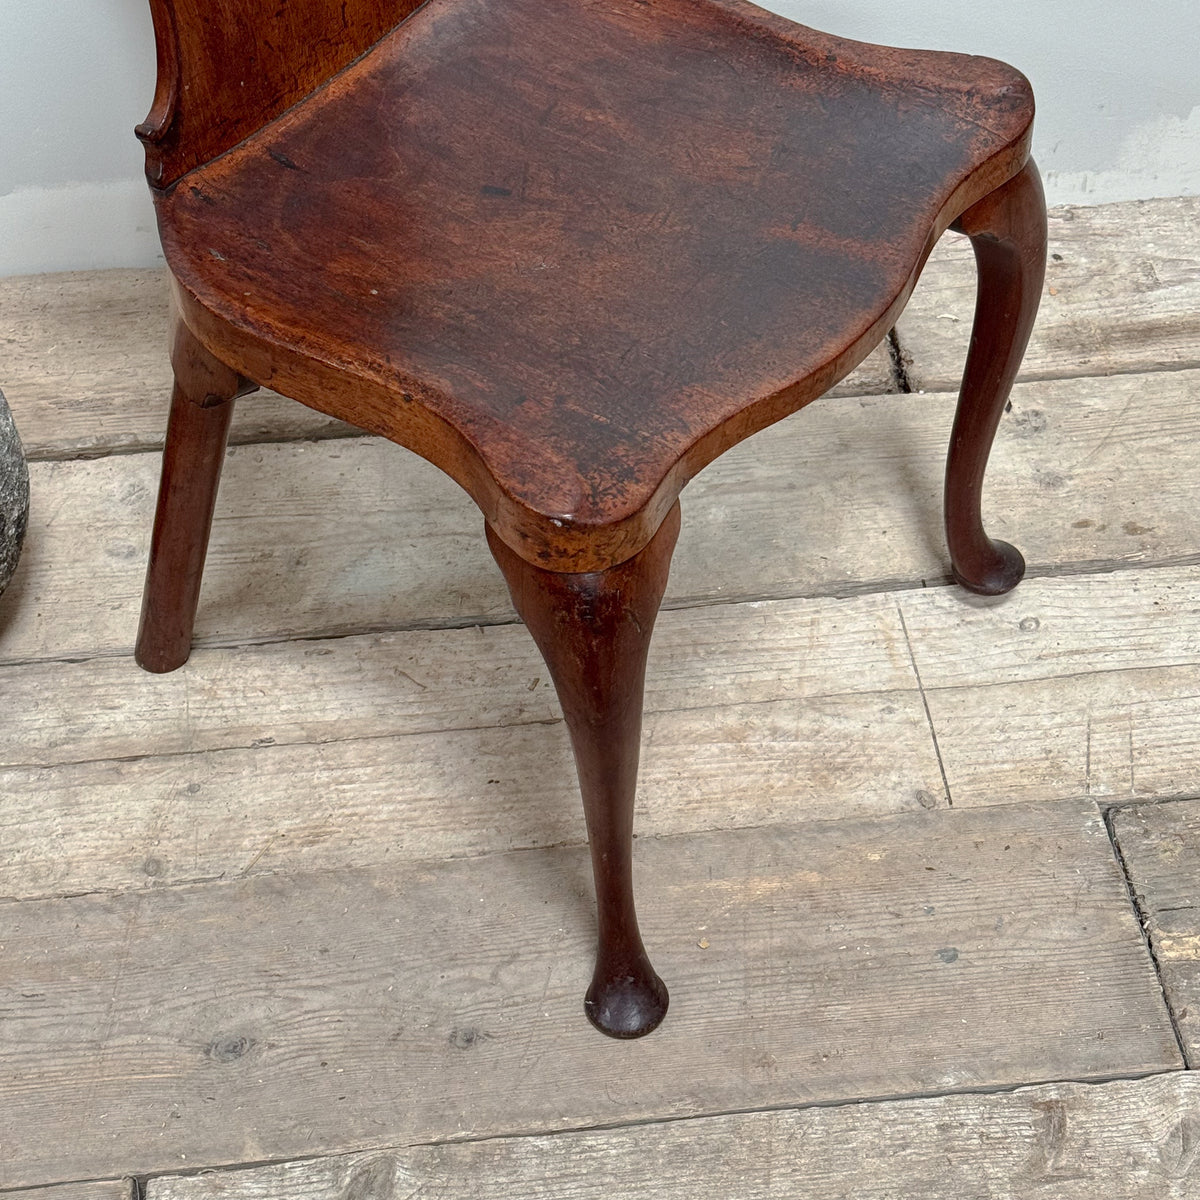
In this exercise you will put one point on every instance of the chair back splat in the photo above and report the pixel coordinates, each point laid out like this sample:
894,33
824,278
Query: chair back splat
226,67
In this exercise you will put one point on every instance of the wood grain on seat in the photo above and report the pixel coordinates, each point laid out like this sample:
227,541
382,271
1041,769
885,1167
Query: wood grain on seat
572,251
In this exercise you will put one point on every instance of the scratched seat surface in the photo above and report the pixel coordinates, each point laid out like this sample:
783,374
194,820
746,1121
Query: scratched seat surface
595,243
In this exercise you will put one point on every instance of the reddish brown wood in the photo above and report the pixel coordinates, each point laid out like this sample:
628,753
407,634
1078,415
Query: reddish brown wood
201,409
594,631
569,252
1007,229
226,67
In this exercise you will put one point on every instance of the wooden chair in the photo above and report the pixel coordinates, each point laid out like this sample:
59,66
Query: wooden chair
569,251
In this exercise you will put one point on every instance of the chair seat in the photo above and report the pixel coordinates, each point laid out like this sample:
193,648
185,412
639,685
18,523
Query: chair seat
571,251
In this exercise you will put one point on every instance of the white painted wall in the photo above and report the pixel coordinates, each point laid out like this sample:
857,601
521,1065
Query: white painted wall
1117,81
1118,85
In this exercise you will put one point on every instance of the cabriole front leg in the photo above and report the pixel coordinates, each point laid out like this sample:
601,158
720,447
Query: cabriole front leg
594,631
1007,229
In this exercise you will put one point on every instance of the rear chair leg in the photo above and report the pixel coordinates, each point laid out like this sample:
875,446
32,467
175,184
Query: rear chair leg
197,429
594,631
1007,229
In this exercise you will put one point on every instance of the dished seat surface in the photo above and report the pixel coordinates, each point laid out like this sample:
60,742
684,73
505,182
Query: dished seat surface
597,238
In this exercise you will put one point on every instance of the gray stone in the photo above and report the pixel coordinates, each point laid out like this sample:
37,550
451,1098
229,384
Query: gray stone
14,495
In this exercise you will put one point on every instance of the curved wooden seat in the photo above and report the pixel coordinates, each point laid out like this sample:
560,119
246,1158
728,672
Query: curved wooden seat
573,251
569,251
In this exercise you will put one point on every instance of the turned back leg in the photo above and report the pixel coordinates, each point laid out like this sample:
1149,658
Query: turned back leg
1007,229
197,429
594,631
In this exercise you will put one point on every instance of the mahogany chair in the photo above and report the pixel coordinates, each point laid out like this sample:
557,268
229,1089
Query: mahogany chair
569,251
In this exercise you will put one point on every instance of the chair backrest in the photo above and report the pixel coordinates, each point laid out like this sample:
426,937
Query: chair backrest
226,67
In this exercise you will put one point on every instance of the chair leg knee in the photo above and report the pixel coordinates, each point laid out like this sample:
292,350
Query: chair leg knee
594,632
197,429
1007,229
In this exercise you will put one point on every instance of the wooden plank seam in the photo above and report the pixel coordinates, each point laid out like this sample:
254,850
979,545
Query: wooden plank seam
1110,813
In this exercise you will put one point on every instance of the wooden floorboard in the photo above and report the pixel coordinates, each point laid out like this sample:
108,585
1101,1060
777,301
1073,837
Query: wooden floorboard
1161,849
341,537
237,813
85,365
1122,295
320,754
258,1019
438,680
1055,628
1129,1140
1082,686
111,1189
1115,737
427,744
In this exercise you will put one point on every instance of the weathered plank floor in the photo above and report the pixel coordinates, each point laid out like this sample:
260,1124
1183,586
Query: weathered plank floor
310,918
